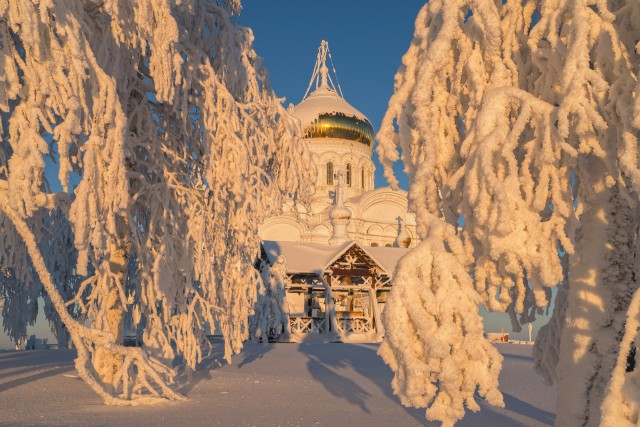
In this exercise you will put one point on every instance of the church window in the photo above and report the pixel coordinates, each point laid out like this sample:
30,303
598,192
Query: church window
348,175
362,177
329,173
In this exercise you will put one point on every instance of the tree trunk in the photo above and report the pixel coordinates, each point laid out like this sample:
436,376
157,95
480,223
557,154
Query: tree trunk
107,363
601,284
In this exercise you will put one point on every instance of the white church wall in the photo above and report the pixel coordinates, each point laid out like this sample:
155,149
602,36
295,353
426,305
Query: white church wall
385,213
282,230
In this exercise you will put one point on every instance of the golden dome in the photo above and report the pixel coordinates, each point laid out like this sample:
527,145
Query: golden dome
326,114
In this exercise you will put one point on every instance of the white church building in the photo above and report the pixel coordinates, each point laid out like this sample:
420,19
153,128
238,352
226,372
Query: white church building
341,250
341,140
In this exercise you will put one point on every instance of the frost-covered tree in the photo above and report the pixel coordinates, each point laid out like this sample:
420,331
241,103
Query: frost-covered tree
19,306
621,407
22,288
434,298
271,317
519,118
163,113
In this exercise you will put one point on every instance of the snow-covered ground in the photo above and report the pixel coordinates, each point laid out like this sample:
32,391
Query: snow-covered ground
267,385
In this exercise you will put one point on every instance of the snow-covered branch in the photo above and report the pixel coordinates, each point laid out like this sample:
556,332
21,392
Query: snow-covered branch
164,114
515,122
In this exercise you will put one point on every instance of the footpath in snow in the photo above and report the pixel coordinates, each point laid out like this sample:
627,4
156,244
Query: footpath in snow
266,385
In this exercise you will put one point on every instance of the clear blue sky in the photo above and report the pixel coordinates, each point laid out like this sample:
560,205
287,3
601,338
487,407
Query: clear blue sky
367,40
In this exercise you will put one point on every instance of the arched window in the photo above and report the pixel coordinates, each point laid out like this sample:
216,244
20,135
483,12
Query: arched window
329,173
348,175
362,177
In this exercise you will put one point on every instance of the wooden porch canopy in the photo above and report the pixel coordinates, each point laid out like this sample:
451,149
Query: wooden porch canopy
343,287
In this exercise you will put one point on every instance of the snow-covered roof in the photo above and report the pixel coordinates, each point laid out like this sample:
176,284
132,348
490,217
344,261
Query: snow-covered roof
316,257
303,257
387,257
324,100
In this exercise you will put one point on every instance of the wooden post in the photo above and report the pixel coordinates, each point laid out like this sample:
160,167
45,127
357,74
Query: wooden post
286,336
330,313
375,310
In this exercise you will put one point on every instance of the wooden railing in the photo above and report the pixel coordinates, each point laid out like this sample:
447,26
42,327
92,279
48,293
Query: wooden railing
354,325
305,325
345,325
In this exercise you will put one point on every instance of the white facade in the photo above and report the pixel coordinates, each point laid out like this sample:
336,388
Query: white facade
340,139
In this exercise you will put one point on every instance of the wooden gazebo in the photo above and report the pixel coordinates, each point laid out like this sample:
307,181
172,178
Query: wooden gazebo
336,290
